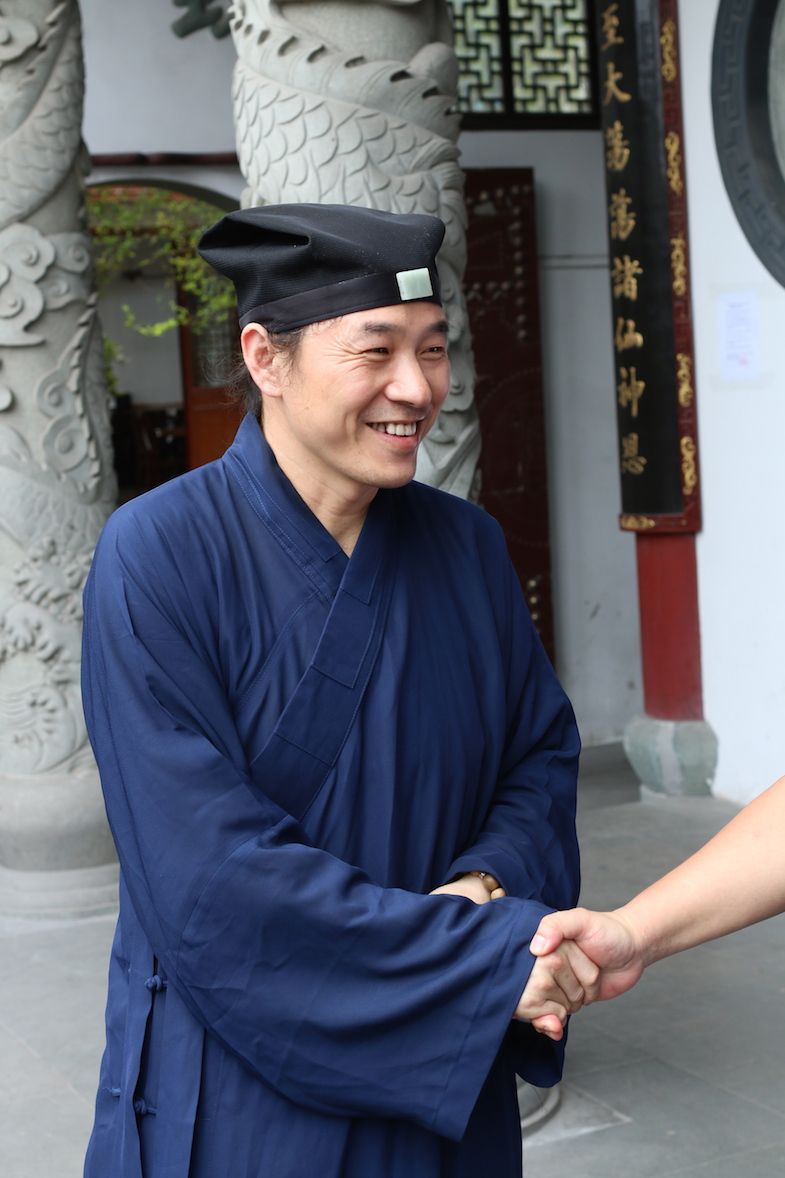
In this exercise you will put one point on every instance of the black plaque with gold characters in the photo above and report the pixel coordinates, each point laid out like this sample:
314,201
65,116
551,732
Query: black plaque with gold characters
640,101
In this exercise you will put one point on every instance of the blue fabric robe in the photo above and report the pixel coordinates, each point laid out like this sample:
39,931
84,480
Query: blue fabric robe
295,747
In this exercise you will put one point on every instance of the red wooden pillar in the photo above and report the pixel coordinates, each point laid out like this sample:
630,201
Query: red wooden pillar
670,626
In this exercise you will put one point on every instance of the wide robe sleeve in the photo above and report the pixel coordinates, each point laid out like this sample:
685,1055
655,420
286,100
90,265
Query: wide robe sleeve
528,839
345,997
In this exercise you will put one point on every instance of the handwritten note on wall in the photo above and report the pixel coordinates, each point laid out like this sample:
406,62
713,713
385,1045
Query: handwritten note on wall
738,337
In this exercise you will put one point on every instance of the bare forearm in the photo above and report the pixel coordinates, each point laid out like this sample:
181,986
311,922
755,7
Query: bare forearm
736,879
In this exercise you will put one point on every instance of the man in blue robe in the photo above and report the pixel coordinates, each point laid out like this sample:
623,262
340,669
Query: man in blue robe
328,736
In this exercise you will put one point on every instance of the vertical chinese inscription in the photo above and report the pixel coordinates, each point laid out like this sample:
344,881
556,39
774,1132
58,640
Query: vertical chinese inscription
617,148
630,390
612,86
622,215
611,23
647,256
632,462
625,275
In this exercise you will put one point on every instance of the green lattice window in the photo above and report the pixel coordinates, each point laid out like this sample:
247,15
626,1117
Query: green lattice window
524,64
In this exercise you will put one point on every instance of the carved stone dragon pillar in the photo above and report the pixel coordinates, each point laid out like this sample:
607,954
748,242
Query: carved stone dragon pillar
56,479
353,102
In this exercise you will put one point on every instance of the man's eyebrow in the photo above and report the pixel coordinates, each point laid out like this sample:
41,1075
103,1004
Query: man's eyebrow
376,327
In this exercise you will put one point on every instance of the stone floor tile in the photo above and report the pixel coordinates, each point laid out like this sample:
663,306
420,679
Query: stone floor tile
676,1119
752,1163
592,1050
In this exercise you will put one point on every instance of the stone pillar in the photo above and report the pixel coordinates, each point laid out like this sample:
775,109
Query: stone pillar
56,480
353,102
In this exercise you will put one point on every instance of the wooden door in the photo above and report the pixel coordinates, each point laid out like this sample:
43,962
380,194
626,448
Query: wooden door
212,415
503,299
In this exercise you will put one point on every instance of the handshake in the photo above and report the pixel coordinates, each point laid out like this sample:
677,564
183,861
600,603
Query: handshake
582,957
736,879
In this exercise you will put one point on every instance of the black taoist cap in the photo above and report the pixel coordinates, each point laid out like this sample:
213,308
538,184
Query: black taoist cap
301,263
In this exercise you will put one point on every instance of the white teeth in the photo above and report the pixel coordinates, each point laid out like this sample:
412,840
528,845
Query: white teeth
396,429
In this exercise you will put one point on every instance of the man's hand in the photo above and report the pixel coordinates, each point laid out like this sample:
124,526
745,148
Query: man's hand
606,938
473,887
558,986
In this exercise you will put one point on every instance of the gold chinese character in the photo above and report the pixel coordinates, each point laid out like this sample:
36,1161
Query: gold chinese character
631,461
679,265
626,335
612,88
673,162
622,215
617,154
630,390
684,378
610,27
626,272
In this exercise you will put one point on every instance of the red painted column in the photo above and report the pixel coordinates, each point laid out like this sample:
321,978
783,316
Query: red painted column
670,626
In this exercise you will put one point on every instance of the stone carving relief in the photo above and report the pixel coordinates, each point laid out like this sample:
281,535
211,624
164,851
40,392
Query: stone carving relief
350,102
41,92
38,274
56,485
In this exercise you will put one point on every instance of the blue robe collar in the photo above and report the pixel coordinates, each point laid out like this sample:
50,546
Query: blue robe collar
274,498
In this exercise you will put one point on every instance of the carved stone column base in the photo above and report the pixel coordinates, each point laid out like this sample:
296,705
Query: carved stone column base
56,852
672,758
85,891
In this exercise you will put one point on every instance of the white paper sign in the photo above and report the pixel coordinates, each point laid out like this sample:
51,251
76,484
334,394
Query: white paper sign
738,336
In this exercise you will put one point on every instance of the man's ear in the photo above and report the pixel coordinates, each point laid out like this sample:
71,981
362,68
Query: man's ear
260,359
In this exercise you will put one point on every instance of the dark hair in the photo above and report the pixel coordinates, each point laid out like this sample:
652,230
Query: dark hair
237,379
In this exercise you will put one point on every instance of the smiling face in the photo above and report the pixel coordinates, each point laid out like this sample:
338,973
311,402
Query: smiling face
348,414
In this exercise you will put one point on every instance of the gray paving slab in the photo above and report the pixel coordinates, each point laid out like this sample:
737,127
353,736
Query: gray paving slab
752,1163
672,1121
52,992
591,1049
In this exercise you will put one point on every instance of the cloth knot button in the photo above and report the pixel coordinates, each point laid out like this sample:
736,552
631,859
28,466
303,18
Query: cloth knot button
155,983
142,1108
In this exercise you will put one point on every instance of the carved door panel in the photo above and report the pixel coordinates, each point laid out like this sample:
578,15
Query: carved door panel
503,301
211,416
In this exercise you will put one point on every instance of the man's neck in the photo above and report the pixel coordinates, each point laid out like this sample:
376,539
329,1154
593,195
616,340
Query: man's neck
341,511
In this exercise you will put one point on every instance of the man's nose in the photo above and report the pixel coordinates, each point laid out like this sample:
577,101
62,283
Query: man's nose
409,383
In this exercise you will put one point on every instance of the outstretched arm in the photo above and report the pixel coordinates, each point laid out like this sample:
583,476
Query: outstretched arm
736,879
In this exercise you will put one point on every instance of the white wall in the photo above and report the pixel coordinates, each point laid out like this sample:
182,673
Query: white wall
741,551
594,576
152,371
148,90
